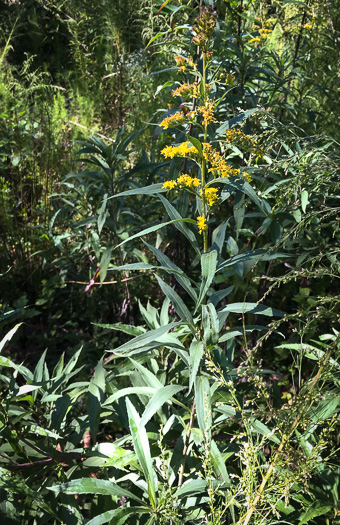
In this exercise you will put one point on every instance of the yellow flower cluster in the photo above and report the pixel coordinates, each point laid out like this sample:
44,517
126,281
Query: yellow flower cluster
207,112
245,141
210,195
184,181
219,168
183,150
202,224
186,90
183,63
173,120
170,184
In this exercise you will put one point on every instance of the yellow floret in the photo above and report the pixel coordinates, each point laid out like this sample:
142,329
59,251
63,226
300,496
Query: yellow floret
201,224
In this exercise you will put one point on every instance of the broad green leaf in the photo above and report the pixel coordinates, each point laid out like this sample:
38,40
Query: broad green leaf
148,377
155,228
218,463
253,255
95,398
191,487
203,405
145,190
139,390
181,309
142,450
19,368
262,429
126,328
118,514
173,214
219,238
196,143
102,214
216,297
104,263
317,509
211,324
196,353
143,340
208,269
9,336
241,331
165,393
252,308
94,486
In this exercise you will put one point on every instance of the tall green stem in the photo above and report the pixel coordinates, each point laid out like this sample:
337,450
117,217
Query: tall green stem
204,164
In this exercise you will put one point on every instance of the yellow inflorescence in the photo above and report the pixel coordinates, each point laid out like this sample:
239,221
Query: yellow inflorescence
219,168
210,195
183,62
173,120
185,90
184,181
208,112
170,184
183,150
202,224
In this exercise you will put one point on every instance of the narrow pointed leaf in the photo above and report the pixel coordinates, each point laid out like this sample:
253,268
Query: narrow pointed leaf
252,308
208,269
161,396
142,450
173,214
94,486
196,353
177,301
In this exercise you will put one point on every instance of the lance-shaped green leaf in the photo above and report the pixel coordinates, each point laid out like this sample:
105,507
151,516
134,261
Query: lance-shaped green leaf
248,329
9,336
252,308
203,405
144,339
126,328
153,189
253,255
155,228
177,301
148,377
220,237
262,429
173,214
94,486
123,392
194,486
196,353
161,396
104,263
218,463
211,325
170,267
118,515
142,450
95,398
208,269
216,297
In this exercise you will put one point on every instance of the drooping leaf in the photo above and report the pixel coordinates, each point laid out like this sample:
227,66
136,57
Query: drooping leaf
94,486
252,308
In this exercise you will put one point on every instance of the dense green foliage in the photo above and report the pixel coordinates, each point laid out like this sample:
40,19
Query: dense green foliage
169,207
